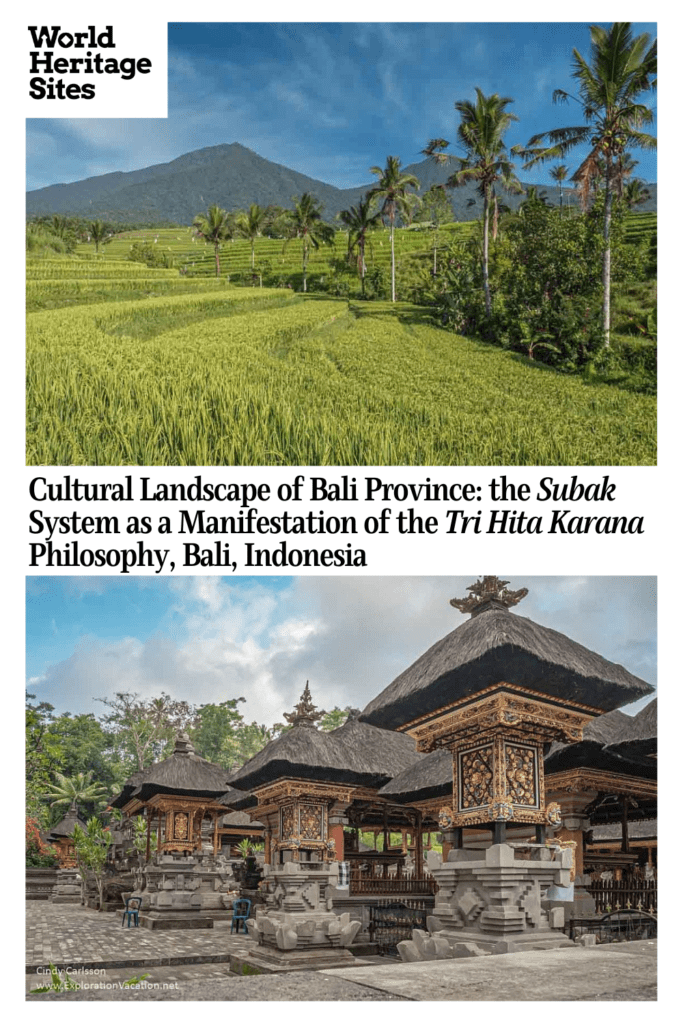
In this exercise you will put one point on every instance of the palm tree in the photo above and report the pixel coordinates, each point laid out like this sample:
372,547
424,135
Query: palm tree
436,208
480,133
360,221
78,790
621,68
306,222
98,233
559,174
635,193
213,226
251,224
392,188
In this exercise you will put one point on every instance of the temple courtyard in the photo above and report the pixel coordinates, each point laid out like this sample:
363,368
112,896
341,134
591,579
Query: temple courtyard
200,965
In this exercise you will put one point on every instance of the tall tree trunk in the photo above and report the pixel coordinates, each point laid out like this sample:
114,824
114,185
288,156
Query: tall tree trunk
218,262
252,254
607,255
485,266
305,262
393,264
361,253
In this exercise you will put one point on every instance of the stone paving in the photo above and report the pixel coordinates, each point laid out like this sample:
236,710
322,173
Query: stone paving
68,935
194,965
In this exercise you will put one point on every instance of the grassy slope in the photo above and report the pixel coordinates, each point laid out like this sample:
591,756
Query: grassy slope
252,377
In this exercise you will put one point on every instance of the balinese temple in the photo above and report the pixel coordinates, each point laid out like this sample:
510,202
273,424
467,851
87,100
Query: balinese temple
304,786
183,798
60,836
67,888
505,739
495,694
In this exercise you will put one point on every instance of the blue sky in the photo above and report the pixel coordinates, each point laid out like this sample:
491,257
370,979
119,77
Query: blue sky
328,100
207,639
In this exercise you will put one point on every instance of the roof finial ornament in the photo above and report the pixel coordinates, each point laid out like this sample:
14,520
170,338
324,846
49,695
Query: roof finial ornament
183,744
487,591
305,712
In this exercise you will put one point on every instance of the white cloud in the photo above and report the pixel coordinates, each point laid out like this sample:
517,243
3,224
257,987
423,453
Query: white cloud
350,636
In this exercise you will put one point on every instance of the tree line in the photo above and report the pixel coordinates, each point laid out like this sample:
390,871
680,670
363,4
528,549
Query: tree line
85,759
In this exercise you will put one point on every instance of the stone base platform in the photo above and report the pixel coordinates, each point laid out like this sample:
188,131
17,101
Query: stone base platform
172,922
511,943
267,960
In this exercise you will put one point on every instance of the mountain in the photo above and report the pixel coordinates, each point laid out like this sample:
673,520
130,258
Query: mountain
231,176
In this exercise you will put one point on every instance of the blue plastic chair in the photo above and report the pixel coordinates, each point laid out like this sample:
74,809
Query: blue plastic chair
131,913
240,914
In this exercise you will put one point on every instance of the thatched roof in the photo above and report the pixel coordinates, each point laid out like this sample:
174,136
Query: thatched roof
65,827
495,646
239,800
183,773
595,750
129,788
236,819
637,739
354,754
428,778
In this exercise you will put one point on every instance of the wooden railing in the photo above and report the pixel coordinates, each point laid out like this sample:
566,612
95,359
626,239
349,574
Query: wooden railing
392,886
624,895
371,879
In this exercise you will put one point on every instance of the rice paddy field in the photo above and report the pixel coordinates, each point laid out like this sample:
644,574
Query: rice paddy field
132,366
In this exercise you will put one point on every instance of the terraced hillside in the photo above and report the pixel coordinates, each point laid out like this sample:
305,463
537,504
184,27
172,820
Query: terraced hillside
277,261
128,366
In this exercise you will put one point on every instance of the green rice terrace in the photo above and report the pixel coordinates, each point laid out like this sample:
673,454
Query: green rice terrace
128,365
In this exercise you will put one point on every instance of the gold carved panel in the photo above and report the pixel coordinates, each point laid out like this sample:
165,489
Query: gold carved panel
476,777
287,821
311,821
520,775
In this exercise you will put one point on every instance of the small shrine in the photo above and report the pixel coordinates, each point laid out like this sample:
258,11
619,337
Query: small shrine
60,837
67,888
303,785
494,693
187,884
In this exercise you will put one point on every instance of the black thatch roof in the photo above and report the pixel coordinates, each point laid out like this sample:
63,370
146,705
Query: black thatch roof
354,754
637,739
240,801
496,645
595,750
429,778
183,773
129,788
65,827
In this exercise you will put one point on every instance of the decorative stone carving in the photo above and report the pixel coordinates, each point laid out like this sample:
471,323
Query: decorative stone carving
298,926
490,901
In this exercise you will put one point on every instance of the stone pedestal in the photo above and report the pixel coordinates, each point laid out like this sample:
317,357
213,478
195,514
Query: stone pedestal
67,887
490,902
299,930
174,898
187,892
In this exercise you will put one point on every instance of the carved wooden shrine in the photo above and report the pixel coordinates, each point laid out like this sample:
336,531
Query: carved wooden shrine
494,693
